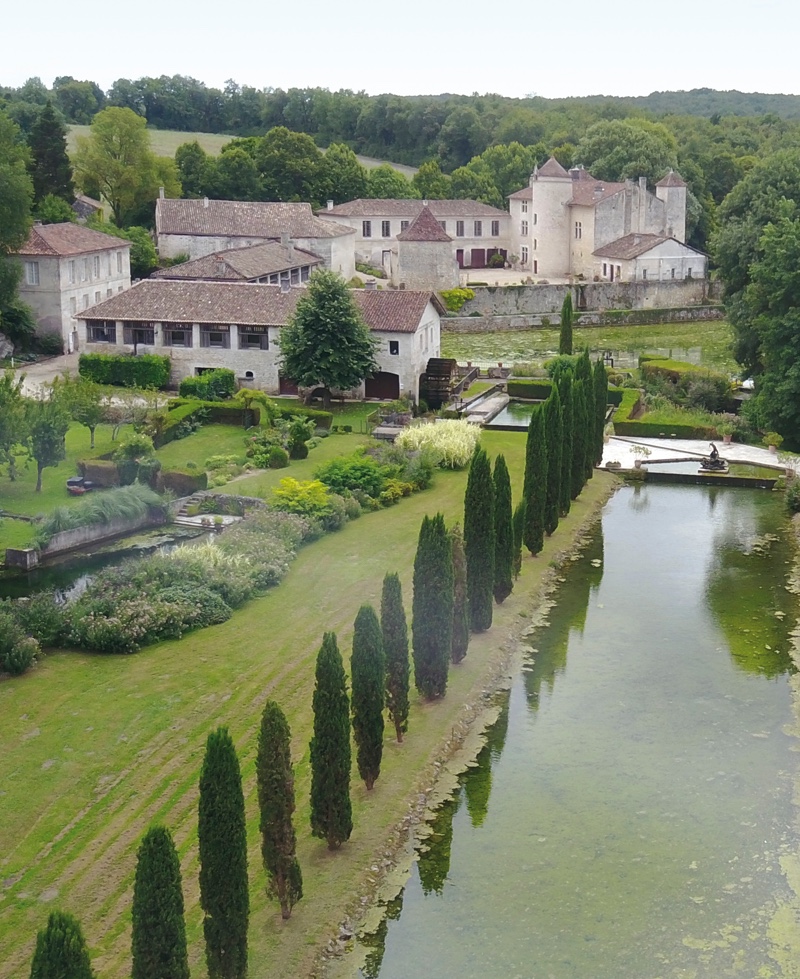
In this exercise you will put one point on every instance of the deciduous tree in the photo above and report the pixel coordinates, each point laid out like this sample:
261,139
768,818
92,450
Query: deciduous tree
394,631
432,612
479,540
503,532
331,809
386,183
158,937
83,399
61,951
222,839
47,426
367,672
276,804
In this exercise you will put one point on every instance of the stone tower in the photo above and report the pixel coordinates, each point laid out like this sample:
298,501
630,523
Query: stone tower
425,257
551,190
672,191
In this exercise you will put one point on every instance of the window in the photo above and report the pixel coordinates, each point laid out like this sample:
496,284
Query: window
605,270
523,229
97,297
71,270
305,273
619,273
459,229
85,301
85,270
535,218
366,229
295,277
478,229
32,273
73,306
101,331
215,335
443,225
496,228
524,207
394,347
578,230
139,333
119,262
672,273
176,334
403,226
535,244
109,293
96,264
535,267
119,288
254,338
524,255
644,274
386,229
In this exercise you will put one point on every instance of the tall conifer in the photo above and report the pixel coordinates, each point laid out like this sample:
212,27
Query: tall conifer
554,432
158,937
432,614
565,390
479,542
567,317
394,631
61,951
367,672
579,434
518,523
222,840
276,804
460,597
503,532
600,378
535,487
331,809
50,168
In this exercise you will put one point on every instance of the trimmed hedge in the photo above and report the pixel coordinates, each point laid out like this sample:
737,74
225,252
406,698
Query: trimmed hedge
175,417
126,370
673,369
217,412
214,385
641,428
321,419
539,390
101,472
182,482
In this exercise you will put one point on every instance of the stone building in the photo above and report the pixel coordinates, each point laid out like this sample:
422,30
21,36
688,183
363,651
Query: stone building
423,256
272,263
196,228
66,269
562,220
201,325
477,231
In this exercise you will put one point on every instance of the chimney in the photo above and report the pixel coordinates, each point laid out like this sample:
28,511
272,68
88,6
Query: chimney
371,284
424,203
636,239
330,205
161,193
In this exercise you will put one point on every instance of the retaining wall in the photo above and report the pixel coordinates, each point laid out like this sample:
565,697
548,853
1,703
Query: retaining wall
608,317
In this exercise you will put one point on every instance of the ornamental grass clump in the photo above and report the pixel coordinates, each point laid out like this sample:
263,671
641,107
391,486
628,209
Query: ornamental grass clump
451,440
120,503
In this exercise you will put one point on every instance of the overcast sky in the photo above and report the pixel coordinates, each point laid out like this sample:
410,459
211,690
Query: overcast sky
560,48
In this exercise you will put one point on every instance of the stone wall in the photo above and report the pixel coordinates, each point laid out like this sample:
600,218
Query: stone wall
617,317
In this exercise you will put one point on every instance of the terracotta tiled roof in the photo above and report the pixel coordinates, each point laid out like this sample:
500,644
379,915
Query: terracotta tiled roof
168,301
526,194
631,246
588,192
370,208
68,239
242,219
671,180
241,264
552,169
424,227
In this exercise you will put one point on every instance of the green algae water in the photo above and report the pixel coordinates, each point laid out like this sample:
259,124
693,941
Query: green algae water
631,810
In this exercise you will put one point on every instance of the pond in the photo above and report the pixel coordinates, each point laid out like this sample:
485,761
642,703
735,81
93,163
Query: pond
631,810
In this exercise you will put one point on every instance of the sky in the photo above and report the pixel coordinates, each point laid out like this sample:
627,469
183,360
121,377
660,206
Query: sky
514,48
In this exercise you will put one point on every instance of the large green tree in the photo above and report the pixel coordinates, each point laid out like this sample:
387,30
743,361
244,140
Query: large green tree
51,170
432,610
461,633
342,177
430,183
158,937
47,424
290,165
479,540
13,421
620,148
367,673
222,840
61,951
386,183
84,400
16,195
331,809
326,342
518,523
503,532
276,805
554,437
534,490
394,631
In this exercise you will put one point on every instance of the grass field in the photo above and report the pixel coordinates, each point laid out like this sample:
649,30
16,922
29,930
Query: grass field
95,749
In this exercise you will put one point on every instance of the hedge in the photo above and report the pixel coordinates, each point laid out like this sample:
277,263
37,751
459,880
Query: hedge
673,369
182,482
101,472
322,419
539,390
126,370
631,398
641,428
214,385
216,412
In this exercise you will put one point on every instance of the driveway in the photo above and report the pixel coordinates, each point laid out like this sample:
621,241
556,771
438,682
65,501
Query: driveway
45,372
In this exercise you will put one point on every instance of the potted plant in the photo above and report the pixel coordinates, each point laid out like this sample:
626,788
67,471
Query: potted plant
773,441
641,452
726,430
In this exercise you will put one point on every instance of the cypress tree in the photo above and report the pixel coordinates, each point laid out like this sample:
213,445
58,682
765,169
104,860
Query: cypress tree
432,612
158,939
331,810
567,427
460,597
367,672
600,378
579,432
554,433
535,488
518,523
479,540
583,366
222,840
61,951
276,804
50,168
567,317
394,631
503,532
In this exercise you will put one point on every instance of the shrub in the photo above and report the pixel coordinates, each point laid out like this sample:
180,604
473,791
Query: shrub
182,482
101,472
309,497
213,385
135,446
321,419
180,422
298,451
278,458
18,652
41,616
354,472
454,299
126,370
530,390
793,496
452,441
497,261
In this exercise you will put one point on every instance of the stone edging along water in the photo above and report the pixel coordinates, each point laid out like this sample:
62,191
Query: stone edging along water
391,866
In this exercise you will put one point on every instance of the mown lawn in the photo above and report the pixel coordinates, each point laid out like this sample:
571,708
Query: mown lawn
96,749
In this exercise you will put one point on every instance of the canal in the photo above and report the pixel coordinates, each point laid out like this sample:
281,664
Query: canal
631,815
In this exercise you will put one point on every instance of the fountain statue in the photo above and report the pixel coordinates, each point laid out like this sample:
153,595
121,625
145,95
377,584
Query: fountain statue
712,462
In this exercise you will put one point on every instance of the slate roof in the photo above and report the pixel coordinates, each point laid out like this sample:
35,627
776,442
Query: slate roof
552,169
241,264
634,245
587,191
242,219
68,239
424,227
671,180
248,304
392,207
